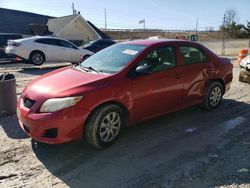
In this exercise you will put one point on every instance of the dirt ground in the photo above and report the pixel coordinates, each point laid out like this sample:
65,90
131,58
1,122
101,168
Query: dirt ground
189,148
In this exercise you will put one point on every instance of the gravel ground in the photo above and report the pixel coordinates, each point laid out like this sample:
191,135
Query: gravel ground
189,148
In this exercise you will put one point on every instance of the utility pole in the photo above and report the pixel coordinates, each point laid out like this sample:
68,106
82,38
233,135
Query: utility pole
223,36
144,23
196,28
73,9
105,16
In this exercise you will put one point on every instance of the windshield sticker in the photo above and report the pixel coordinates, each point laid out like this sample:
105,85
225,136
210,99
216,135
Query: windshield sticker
130,52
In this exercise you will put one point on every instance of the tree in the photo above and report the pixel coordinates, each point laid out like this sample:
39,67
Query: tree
230,25
247,29
231,16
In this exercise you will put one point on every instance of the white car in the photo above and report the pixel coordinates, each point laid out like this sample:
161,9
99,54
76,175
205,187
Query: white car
245,63
244,75
42,48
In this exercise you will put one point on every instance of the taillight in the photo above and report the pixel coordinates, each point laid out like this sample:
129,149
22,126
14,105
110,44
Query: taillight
14,43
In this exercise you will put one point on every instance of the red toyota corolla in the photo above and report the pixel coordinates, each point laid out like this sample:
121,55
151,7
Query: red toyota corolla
120,86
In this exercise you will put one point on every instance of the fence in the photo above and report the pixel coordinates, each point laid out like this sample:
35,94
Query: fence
230,47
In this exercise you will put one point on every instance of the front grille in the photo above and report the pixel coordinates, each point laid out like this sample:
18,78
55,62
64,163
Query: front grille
28,103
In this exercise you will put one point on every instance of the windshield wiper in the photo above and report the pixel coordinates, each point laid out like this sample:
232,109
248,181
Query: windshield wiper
80,67
91,68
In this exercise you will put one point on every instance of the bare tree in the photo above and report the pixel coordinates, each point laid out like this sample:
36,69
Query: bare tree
231,16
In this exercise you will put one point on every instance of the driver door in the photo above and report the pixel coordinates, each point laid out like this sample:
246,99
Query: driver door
160,91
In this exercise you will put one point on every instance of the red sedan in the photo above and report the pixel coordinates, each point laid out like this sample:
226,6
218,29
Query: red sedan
120,86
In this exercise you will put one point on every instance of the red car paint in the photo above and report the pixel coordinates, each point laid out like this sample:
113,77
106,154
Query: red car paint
143,96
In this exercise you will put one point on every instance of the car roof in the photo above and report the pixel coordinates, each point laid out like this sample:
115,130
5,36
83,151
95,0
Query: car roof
47,37
41,37
149,42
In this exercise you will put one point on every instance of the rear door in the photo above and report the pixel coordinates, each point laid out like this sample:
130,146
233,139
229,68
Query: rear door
196,70
50,48
160,91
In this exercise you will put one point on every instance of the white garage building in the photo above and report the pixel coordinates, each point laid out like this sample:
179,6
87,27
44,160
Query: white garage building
73,27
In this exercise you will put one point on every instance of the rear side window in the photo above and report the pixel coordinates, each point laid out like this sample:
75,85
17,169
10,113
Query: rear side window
65,44
192,55
47,41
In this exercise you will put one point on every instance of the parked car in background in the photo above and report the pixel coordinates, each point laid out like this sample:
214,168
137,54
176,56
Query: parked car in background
4,37
244,75
119,86
42,48
97,45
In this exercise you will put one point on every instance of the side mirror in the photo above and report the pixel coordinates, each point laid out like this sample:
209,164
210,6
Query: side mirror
143,70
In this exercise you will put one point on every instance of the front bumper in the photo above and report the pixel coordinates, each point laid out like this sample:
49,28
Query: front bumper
52,128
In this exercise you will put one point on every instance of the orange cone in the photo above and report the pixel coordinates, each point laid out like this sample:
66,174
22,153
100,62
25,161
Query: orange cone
243,53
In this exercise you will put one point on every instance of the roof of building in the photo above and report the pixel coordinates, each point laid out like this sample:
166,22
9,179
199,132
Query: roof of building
61,22
15,21
103,35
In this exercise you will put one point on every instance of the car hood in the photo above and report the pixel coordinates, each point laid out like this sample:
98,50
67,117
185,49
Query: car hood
64,82
85,51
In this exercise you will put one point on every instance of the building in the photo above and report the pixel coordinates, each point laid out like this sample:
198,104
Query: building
13,21
72,27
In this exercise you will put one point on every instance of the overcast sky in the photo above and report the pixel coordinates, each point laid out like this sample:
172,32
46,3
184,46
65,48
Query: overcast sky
160,14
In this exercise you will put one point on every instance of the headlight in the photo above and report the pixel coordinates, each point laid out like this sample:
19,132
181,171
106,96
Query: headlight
55,104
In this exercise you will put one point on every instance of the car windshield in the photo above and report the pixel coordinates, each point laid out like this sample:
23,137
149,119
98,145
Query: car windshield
113,58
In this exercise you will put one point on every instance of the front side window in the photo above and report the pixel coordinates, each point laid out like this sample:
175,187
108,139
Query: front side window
160,58
192,55
114,58
65,44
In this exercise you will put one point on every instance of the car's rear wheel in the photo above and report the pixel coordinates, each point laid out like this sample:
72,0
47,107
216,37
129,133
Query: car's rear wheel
37,58
104,125
213,95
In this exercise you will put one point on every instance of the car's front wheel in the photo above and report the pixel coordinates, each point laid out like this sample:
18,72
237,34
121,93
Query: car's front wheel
104,126
213,95
37,58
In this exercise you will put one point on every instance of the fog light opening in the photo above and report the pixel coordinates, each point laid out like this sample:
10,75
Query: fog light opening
50,133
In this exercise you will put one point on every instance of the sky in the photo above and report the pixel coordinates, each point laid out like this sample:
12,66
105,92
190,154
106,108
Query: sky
158,14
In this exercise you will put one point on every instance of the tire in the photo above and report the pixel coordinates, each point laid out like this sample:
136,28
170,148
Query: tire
104,125
213,96
37,58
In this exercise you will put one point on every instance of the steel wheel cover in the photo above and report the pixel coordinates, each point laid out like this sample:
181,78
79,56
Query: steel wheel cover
215,96
37,58
110,127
